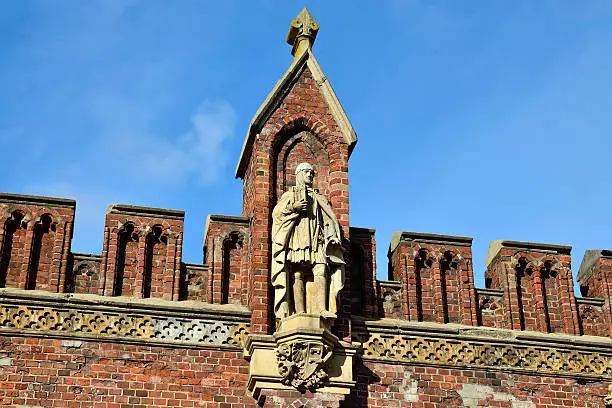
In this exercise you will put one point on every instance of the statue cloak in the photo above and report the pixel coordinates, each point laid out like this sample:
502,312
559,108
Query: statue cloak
306,238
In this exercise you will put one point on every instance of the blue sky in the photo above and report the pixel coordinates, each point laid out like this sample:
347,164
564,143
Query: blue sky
488,119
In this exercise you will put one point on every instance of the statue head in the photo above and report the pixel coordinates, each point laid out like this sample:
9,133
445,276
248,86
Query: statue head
304,175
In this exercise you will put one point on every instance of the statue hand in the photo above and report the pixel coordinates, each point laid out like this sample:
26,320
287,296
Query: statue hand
300,206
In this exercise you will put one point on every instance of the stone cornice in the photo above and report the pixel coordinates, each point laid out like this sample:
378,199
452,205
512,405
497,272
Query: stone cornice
496,246
426,238
133,210
451,345
92,317
36,200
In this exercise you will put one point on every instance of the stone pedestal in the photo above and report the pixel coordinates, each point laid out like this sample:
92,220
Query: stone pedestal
303,354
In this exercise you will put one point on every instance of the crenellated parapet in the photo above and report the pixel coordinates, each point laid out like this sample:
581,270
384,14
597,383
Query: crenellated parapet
364,290
141,254
35,236
435,272
285,309
537,283
595,280
226,240
529,286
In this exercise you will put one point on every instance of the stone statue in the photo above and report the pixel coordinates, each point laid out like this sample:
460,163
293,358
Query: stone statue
306,252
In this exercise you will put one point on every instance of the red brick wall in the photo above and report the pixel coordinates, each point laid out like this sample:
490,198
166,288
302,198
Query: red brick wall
37,372
141,254
394,385
436,277
593,319
490,308
597,282
227,247
362,271
538,287
35,236
84,275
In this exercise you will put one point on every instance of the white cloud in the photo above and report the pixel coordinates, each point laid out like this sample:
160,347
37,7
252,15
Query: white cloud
199,153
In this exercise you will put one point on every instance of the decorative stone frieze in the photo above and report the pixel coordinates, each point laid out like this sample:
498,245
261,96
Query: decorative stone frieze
138,321
488,348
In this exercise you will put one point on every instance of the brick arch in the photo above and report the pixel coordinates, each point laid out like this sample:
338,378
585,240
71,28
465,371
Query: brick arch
233,284
40,262
155,252
13,247
301,139
451,263
128,236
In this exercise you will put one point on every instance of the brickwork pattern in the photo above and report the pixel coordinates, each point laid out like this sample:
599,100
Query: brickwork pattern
38,372
437,278
538,289
381,384
226,248
598,283
35,236
141,254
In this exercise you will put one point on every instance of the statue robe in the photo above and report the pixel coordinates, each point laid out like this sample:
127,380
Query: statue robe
304,238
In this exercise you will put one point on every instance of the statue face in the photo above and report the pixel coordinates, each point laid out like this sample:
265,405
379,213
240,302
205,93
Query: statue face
308,177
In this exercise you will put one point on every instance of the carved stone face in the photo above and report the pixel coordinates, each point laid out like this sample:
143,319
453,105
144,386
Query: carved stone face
304,175
308,177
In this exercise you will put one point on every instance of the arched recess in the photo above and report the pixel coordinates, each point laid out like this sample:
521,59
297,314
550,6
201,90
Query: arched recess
13,240
358,270
126,264
450,284
231,271
296,144
41,253
155,260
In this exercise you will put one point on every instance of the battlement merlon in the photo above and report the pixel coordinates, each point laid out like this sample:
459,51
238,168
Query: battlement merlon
427,238
134,210
35,237
25,199
595,280
496,246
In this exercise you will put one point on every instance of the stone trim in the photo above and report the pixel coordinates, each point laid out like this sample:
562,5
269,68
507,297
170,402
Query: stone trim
80,256
225,219
102,319
134,210
593,301
424,237
433,344
589,260
497,245
277,95
37,200
489,292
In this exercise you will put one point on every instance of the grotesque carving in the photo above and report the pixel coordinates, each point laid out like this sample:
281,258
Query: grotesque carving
301,363
306,252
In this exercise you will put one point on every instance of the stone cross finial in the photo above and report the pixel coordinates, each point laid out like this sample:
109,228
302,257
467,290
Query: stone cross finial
302,32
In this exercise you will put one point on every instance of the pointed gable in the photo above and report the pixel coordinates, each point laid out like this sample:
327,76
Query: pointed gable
303,78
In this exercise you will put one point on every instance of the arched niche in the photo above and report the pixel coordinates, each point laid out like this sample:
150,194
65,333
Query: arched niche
13,245
298,145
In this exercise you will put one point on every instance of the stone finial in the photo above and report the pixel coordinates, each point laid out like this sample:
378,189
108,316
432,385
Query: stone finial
302,32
